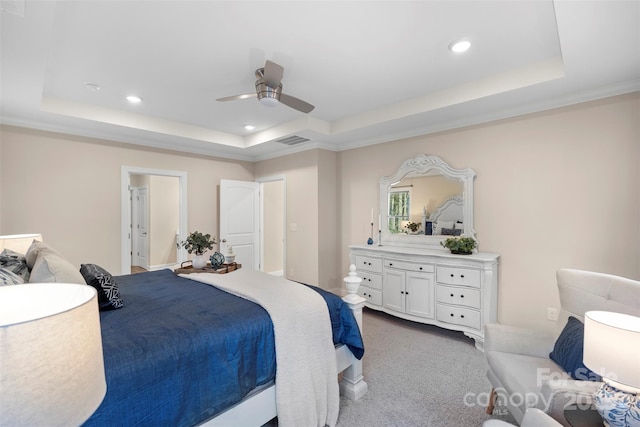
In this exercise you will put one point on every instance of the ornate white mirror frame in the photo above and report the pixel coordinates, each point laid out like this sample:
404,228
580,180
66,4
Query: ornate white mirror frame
424,165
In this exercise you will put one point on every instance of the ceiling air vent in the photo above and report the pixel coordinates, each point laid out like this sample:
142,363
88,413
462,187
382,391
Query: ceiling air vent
292,140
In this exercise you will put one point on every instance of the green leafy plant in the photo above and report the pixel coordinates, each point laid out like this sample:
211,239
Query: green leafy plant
413,226
461,245
198,243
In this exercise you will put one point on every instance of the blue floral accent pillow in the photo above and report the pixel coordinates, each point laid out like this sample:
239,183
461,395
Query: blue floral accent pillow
568,350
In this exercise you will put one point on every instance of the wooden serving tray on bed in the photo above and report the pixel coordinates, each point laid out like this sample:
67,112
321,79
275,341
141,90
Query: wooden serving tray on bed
224,268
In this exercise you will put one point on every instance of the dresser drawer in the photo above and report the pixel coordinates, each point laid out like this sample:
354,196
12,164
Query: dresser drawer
458,316
372,296
458,295
409,266
371,280
366,263
458,276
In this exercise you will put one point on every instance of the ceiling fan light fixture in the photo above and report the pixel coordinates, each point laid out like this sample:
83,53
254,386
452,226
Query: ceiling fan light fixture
459,46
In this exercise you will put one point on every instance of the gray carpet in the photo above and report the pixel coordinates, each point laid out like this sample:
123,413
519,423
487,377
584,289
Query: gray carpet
418,375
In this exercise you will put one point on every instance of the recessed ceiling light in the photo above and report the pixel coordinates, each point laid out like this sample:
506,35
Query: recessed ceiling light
93,87
459,46
134,99
249,127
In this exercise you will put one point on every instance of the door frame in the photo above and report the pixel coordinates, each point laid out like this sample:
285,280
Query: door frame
125,210
261,181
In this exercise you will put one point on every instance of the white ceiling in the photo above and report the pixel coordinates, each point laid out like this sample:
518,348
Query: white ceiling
375,71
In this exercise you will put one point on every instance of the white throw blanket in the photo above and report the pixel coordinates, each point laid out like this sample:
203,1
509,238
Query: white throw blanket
307,391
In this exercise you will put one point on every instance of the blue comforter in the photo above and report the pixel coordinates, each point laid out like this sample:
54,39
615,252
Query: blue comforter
180,351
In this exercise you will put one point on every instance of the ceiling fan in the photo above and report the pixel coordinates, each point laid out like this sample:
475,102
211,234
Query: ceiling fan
269,89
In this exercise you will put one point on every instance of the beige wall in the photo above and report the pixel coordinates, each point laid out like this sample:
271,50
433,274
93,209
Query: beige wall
273,217
555,189
68,189
164,220
329,277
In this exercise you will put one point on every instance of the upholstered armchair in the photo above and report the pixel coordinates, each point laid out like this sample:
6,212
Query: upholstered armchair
520,370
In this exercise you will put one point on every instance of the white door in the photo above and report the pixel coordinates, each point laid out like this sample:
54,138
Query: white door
240,221
140,206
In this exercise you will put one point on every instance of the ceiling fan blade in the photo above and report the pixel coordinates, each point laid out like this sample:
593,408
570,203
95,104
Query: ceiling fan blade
295,103
273,74
234,97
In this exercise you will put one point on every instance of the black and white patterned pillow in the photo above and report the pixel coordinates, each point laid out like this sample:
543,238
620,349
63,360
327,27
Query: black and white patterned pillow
15,263
104,283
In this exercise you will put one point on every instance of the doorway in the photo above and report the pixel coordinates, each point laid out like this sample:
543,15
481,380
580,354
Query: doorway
166,220
252,221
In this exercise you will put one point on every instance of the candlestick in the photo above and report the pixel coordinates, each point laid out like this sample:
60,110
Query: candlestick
379,237
371,216
370,240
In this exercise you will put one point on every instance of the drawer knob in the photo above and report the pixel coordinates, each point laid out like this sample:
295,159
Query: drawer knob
451,295
462,316
462,276
390,263
451,274
420,268
461,295
402,292
451,314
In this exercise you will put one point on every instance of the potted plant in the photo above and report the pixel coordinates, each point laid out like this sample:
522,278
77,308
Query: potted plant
198,243
413,227
460,245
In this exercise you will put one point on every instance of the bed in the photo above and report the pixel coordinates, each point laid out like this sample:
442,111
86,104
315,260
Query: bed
447,219
185,350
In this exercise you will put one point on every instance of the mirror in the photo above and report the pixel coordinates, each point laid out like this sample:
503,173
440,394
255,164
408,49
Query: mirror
425,202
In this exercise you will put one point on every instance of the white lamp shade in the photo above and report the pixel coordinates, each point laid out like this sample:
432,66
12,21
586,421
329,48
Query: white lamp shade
51,364
612,346
18,242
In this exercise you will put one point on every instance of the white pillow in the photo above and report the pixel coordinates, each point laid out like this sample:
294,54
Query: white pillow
443,224
50,266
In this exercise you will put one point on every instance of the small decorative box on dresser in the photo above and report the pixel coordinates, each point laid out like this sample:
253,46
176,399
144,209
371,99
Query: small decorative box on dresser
457,292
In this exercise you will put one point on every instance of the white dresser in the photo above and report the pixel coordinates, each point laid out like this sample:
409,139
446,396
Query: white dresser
457,292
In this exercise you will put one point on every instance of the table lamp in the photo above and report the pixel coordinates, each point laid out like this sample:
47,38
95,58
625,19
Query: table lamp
51,364
612,349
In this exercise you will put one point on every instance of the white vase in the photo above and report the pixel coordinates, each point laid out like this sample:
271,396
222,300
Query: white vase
199,262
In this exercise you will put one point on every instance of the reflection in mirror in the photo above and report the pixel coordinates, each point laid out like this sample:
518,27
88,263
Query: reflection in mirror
414,200
426,201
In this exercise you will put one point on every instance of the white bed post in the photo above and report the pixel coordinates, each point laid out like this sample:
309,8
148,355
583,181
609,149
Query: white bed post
352,385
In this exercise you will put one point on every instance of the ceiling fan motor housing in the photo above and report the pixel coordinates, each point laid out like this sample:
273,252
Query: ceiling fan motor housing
267,95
